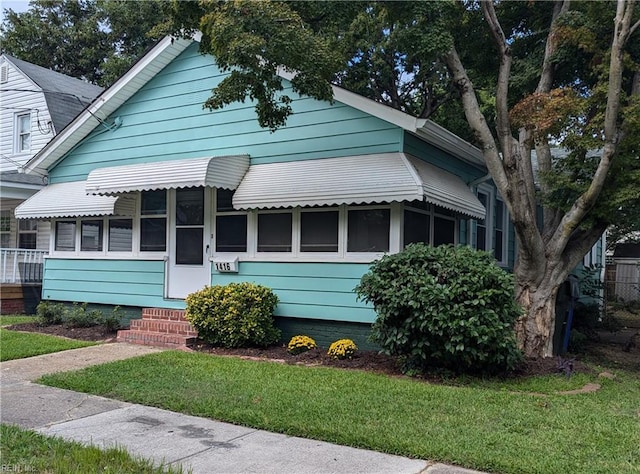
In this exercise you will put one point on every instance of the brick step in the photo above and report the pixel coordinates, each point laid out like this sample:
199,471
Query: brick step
163,326
163,314
174,341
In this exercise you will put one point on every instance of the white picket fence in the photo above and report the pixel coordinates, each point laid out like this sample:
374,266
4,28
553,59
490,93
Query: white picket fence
21,265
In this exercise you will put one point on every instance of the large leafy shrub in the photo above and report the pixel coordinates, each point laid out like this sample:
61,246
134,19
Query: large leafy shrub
446,306
234,315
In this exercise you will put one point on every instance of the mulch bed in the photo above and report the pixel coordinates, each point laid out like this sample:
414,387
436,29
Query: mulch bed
362,360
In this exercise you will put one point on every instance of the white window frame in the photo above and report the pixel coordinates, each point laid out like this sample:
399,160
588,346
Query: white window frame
432,212
19,133
493,201
5,217
28,231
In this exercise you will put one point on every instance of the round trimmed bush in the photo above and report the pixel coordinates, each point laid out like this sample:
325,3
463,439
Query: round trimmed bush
234,315
299,344
342,349
447,307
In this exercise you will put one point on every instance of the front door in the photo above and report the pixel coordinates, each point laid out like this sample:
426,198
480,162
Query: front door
189,266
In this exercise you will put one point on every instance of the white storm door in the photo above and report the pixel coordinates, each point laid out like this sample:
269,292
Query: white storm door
189,247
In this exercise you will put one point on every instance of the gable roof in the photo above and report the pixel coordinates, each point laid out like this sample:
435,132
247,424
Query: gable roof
169,48
66,96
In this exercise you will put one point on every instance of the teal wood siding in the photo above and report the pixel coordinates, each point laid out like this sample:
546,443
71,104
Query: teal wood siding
113,282
165,120
308,290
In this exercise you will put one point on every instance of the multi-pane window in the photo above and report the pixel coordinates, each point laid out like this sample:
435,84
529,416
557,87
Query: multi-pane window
23,133
27,233
499,231
189,226
428,224
153,221
5,229
231,225
481,224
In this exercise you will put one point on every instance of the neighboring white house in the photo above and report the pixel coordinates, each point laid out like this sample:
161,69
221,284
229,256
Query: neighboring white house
626,261
35,105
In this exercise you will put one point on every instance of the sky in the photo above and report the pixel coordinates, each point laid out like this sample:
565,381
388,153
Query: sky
15,5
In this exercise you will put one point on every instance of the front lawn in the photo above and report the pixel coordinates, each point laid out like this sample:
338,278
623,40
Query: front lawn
28,451
18,345
499,426
11,319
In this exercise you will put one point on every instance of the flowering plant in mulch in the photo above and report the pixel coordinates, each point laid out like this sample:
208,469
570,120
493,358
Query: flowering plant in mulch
299,344
342,349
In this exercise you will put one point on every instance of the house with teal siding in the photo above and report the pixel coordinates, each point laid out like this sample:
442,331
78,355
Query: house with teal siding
151,197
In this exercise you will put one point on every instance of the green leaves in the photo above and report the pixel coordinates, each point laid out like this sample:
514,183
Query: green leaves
446,306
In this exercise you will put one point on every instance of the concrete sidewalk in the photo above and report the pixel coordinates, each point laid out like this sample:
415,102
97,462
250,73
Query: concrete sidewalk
198,444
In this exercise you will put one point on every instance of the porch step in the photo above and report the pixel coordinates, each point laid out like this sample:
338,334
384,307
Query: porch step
160,327
158,339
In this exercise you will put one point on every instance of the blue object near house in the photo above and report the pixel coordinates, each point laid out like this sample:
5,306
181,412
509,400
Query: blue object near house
152,197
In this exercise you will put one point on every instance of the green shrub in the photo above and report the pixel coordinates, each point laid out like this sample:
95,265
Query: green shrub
112,322
234,315
299,344
81,317
49,313
342,349
577,341
446,307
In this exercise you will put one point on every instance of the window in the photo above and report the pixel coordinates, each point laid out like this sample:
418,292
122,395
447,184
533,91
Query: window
481,224
5,229
274,232
27,233
417,224
319,231
444,231
23,133
368,230
499,234
189,226
65,236
231,226
153,221
91,236
120,235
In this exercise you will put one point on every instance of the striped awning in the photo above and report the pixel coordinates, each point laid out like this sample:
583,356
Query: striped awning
71,200
220,172
375,178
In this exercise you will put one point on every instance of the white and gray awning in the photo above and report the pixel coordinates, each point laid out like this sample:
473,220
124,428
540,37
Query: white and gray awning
376,178
71,200
220,172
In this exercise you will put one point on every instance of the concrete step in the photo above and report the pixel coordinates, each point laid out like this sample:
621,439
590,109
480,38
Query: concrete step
164,314
163,326
158,339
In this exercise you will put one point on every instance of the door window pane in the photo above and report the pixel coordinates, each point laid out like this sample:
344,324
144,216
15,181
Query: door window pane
224,200
319,231
274,232
120,235
65,235
190,206
189,249
153,233
444,231
91,236
416,227
368,230
231,233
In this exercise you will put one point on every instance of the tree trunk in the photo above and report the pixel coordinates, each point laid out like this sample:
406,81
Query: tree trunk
534,330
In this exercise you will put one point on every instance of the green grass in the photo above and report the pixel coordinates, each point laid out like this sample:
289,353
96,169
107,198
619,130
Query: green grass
8,320
492,426
18,345
28,451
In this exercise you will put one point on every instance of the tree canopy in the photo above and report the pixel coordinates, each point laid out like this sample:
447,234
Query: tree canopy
96,40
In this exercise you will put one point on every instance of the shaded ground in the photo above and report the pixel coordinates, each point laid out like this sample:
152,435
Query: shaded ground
363,360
